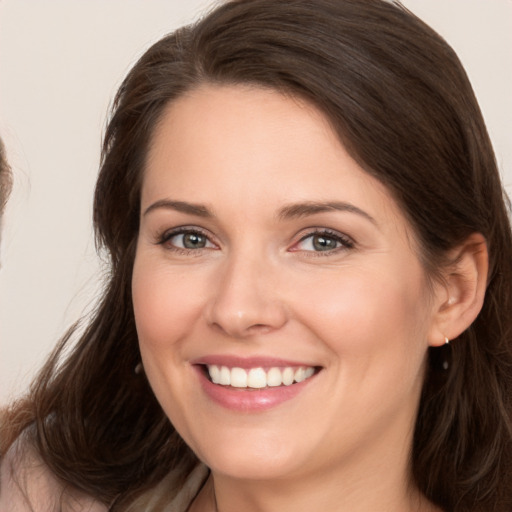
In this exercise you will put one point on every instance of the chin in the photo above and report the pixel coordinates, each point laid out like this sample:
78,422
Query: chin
254,460
252,468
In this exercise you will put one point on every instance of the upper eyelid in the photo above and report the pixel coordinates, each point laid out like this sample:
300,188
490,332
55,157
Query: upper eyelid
328,232
165,235
346,243
184,229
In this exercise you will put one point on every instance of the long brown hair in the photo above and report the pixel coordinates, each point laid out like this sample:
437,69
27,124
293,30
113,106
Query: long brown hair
401,103
5,178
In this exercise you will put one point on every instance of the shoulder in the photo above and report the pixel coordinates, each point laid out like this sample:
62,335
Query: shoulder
171,494
28,485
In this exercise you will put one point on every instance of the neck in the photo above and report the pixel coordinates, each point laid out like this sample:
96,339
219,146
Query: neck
230,496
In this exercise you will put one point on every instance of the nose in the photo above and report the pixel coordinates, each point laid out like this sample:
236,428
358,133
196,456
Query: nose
247,299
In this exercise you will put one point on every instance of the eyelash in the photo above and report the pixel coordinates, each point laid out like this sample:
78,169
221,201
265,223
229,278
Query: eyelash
165,237
344,241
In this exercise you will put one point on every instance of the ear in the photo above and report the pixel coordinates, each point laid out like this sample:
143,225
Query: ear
460,295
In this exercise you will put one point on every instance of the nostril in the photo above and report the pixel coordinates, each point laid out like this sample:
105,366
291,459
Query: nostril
260,328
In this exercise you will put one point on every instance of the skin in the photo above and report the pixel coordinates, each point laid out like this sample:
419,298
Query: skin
361,311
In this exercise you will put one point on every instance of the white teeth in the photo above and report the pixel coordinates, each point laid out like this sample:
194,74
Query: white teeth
238,378
214,374
225,376
274,377
288,375
258,378
300,375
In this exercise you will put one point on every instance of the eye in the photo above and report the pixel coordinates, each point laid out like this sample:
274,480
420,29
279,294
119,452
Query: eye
323,241
186,239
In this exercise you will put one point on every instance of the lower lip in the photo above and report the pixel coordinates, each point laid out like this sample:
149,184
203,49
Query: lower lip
247,399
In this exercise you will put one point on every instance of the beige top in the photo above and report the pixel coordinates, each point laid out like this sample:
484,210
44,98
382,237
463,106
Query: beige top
163,499
27,485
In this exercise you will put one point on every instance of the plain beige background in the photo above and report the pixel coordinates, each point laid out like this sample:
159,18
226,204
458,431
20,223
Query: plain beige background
60,64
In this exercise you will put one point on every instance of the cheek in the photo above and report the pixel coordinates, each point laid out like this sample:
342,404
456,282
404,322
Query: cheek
164,305
369,314
164,313
374,327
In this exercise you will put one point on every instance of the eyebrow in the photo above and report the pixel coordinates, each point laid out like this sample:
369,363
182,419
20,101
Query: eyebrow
181,206
297,210
291,211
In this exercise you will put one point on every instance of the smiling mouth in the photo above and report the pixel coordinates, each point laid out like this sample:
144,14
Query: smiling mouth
257,378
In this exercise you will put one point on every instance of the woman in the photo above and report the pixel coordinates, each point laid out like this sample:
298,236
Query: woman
308,307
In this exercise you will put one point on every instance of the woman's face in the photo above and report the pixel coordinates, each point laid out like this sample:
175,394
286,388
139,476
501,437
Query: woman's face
266,255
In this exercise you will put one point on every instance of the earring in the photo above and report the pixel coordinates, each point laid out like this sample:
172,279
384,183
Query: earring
139,369
445,363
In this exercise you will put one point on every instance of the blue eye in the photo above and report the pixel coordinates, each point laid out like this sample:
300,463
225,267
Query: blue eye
324,241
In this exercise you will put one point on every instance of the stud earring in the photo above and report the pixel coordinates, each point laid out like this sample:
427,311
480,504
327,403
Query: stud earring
138,369
446,341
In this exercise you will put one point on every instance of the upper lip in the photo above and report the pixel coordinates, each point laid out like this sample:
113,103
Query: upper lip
233,361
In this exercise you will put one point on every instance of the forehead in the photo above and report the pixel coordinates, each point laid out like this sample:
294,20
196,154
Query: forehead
224,119
250,147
